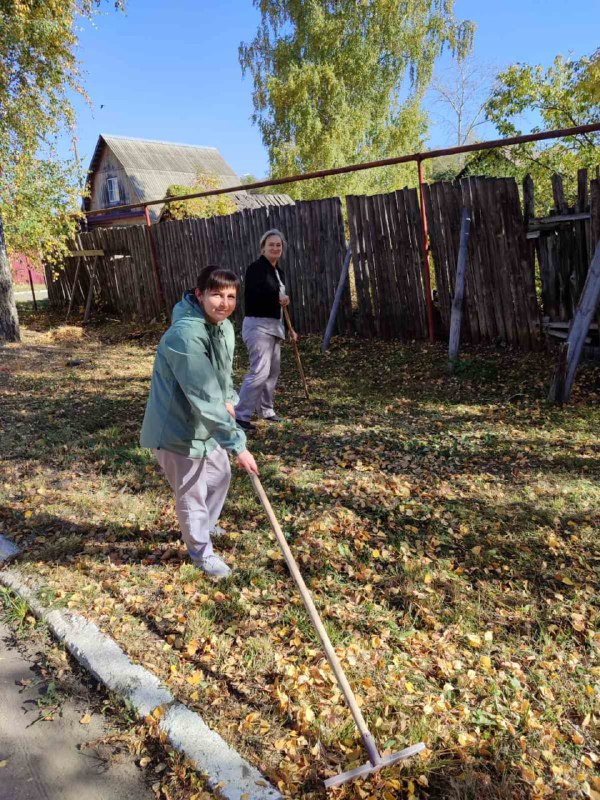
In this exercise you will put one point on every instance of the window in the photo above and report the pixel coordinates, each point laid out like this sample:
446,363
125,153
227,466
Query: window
113,190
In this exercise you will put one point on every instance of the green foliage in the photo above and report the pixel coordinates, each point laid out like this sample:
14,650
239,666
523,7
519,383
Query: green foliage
38,41
336,83
589,84
250,178
38,198
447,168
564,95
15,607
215,206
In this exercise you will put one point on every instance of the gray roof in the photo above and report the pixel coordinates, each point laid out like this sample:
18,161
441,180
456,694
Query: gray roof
153,166
248,200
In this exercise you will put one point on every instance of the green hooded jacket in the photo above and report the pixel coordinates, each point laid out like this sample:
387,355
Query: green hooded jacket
191,382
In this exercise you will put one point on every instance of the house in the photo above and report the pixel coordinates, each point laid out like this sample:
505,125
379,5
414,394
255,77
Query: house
125,170
22,267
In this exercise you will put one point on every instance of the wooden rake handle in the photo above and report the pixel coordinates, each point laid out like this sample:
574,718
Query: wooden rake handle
296,352
334,662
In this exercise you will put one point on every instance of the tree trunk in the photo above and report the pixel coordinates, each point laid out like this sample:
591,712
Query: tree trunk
9,320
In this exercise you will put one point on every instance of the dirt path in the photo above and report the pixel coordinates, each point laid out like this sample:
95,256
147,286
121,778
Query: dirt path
43,760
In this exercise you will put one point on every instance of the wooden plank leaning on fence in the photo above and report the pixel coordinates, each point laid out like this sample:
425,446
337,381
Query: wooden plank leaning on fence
79,255
459,290
90,294
337,300
570,351
73,288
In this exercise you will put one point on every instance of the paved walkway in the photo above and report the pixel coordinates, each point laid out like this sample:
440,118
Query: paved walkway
24,297
41,760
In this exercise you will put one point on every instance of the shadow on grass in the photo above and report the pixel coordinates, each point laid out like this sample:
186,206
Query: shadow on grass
492,780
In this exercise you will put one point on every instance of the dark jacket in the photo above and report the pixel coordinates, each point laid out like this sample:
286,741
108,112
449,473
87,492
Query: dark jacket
191,382
261,290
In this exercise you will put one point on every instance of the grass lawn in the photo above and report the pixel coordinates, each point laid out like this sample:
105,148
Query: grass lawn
447,526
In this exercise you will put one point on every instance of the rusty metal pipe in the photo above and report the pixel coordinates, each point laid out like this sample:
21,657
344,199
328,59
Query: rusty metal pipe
384,162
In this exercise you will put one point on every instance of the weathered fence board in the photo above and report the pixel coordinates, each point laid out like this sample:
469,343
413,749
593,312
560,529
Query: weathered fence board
387,265
564,252
127,283
385,295
500,300
443,209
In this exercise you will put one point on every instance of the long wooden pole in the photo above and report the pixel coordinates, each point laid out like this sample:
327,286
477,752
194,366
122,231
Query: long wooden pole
562,384
334,662
426,264
459,289
337,300
296,351
90,294
32,289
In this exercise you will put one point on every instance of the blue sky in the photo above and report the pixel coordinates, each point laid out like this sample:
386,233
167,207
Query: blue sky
170,70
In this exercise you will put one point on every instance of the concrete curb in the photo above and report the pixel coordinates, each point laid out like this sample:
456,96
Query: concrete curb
226,772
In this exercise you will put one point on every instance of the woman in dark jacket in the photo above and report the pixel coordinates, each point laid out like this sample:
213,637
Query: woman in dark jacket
263,331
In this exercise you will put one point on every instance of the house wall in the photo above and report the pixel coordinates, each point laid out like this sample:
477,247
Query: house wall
21,265
109,167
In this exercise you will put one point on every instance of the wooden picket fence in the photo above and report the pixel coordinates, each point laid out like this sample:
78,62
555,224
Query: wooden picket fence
565,243
385,238
126,282
500,296
386,297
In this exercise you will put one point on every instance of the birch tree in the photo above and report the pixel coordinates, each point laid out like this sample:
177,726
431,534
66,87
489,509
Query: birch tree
338,81
38,70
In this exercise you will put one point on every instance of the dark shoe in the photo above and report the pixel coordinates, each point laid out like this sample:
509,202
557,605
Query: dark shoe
274,418
245,425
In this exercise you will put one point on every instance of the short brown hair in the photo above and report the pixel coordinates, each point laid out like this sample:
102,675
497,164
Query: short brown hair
214,278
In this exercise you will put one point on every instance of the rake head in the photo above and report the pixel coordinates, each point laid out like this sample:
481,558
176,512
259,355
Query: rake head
369,767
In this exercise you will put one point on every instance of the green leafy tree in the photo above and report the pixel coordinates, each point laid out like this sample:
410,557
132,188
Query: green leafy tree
336,83
250,178
38,69
590,79
38,198
564,95
215,206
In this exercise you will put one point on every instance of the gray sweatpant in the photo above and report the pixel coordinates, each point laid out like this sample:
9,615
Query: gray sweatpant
258,387
200,486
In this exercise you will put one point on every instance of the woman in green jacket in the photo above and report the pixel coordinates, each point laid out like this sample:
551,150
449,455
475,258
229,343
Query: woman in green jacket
190,421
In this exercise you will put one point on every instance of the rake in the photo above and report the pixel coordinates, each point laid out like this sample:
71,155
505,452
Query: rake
376,760
286,314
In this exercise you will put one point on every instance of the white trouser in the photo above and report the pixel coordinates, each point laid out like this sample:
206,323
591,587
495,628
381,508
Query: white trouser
200,486
258,388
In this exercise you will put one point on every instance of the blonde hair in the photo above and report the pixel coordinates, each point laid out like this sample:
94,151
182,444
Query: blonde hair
272,232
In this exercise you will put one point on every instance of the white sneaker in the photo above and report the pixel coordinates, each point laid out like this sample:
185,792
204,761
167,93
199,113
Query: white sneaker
217,532
213,566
